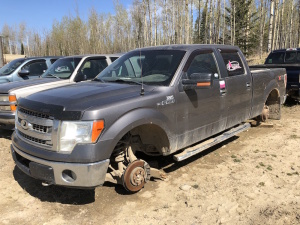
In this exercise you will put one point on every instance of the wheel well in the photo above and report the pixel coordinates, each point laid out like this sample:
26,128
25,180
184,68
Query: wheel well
149,138
273,102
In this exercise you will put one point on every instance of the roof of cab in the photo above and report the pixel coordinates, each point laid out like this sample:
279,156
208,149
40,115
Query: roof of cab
188,47
95,55
286,49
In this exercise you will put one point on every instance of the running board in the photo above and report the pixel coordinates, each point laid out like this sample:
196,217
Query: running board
210,142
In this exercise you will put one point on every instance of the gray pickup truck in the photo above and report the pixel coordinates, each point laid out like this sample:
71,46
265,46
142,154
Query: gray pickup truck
65,71
178,99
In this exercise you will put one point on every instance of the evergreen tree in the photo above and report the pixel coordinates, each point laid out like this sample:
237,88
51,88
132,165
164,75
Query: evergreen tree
22,49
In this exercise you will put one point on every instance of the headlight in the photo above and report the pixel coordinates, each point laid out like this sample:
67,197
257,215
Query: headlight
5,108
72,132
8,99
4,98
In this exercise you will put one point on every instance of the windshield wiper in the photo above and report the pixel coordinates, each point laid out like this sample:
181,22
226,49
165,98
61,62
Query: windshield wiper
125,81
51,75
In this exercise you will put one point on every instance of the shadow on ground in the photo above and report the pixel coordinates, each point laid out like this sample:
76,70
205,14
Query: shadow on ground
6,134
53,193
291,102
86,196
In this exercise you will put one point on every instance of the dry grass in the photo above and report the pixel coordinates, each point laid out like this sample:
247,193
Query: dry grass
255,59
10,57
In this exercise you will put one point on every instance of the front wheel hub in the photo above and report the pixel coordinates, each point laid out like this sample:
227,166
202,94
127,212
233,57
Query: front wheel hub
135,176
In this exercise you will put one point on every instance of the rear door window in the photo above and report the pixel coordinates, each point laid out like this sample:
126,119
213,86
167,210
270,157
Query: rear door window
233,63
290,57
53,60
275,58
113,59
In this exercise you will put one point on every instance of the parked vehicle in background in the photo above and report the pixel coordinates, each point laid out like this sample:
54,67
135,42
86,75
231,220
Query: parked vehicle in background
64,71
158,100
25,68
290,60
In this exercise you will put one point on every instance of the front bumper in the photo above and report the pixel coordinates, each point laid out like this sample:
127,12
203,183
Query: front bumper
80,175
7,120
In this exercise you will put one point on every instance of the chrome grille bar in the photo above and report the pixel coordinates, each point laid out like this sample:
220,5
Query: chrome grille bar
37,128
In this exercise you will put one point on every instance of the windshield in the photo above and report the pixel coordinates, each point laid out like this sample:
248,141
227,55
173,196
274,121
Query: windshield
288,57
62,68
11,67
152,67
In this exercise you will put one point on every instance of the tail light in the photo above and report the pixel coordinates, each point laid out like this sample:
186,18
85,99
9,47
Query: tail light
285,79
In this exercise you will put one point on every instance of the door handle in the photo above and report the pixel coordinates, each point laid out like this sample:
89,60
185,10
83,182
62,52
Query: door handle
223,91
248,85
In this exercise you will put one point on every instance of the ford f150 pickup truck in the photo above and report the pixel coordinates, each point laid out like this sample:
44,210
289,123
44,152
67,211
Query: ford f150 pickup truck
64,71
290,60
25,68
177,99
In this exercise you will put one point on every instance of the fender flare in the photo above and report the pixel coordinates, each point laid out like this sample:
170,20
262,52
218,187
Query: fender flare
269,88
134,119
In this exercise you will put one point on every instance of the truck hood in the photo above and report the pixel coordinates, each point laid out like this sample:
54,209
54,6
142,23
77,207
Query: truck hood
12,86
70,102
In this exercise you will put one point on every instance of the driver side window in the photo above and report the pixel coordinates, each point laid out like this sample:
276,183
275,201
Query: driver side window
35,68
202,63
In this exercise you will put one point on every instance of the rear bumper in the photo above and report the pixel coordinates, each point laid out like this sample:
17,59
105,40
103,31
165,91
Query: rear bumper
80,175
7,120
293,90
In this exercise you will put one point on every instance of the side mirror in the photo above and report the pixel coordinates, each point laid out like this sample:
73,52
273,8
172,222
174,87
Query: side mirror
197,80
24,73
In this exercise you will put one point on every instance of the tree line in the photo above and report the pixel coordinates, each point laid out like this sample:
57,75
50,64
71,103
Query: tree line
256,26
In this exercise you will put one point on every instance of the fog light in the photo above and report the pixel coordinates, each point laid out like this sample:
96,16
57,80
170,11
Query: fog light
69,176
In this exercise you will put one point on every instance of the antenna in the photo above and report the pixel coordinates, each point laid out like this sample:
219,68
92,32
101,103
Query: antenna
142,88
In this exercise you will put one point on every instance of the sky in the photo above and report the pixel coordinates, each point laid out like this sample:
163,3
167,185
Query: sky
40,14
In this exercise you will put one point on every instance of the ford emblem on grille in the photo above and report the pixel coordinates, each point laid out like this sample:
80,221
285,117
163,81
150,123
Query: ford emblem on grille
24,124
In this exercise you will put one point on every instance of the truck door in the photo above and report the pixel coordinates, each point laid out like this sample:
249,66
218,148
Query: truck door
200,109
33,69
238,94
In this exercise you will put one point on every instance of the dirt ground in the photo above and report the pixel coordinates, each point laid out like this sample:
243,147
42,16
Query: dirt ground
251,179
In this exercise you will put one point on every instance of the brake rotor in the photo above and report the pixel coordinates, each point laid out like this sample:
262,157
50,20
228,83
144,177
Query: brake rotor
134,176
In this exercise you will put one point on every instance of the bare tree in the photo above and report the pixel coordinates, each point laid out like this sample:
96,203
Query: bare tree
271,25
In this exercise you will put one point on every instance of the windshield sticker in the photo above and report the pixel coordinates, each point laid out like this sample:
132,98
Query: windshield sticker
233,65
170,100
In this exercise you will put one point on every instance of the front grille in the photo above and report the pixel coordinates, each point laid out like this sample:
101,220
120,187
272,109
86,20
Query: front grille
39,128
35,128
33,113
36,140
